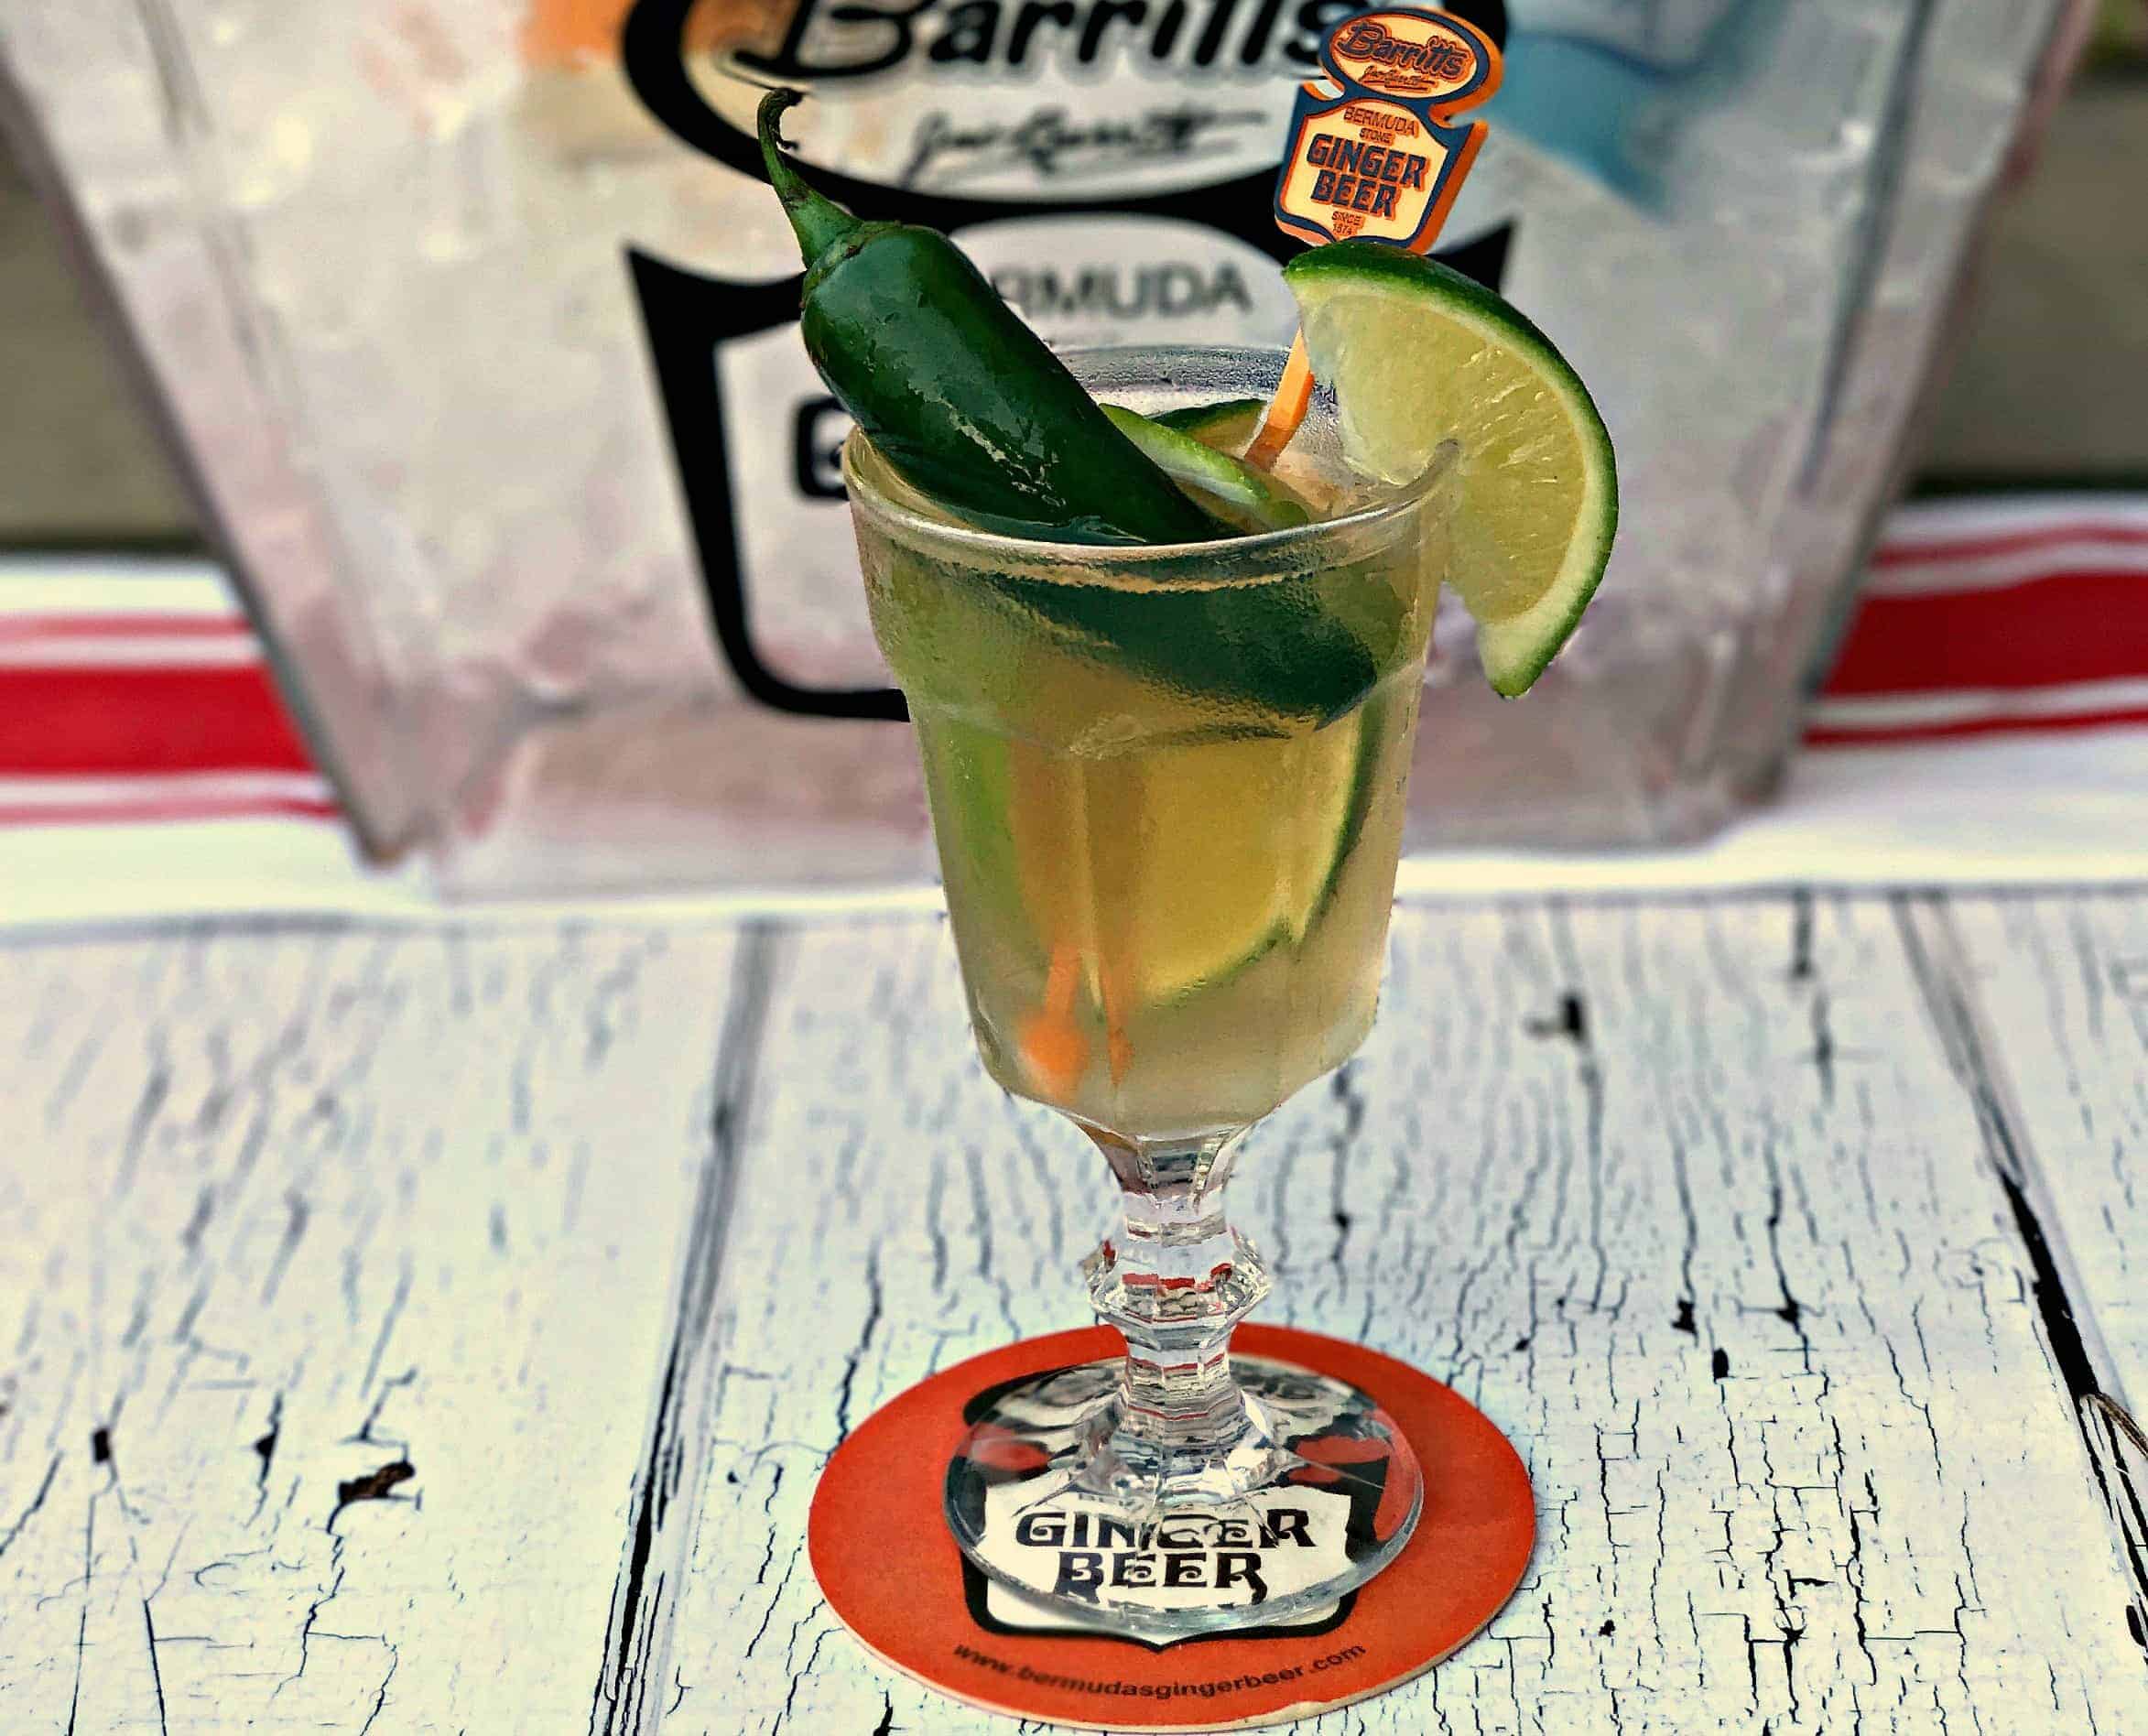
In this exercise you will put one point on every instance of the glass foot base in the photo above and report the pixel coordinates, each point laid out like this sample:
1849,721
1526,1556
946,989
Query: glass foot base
1163,1526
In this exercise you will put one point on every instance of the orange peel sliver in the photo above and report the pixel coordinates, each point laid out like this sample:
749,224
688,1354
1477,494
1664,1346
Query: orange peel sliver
1286,408
1054,1047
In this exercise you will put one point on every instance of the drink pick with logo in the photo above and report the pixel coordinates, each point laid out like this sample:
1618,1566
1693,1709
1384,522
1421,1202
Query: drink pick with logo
1384,159
1380,161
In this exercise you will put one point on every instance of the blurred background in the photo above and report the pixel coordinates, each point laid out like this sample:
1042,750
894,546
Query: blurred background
437,316
2049,383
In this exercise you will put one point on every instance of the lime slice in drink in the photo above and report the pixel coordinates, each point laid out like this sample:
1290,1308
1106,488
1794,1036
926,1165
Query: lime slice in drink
1214,855
1419,355
1245,497
1164,871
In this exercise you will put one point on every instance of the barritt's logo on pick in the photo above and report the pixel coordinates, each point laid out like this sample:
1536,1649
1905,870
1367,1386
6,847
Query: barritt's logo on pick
1411,54
1379,154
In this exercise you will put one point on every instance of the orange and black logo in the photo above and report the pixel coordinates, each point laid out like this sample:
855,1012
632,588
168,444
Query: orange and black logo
1385,158
889,1567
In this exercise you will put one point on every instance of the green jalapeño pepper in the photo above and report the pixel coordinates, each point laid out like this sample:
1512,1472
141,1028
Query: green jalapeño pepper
966,404
952,389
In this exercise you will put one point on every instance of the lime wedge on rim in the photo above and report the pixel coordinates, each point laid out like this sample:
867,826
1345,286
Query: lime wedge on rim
1250,500
1418,356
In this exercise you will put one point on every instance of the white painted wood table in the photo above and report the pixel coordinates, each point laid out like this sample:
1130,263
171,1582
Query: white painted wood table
441,1326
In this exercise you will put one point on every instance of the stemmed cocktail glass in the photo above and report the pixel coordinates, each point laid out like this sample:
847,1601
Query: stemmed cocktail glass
1168,791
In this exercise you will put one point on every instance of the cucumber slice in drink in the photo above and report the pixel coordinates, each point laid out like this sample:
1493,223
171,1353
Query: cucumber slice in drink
1227,425
1248,499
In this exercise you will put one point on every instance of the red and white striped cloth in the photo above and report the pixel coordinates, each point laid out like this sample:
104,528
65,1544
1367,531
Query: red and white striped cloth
1987,719
134,696
1982,616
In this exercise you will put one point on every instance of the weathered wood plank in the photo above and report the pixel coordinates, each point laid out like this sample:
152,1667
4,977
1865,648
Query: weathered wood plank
334,1287
894,1213
1687,1197
1718,1240
2062,982
2048,998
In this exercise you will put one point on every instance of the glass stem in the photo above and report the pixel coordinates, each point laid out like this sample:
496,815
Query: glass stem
1175,1278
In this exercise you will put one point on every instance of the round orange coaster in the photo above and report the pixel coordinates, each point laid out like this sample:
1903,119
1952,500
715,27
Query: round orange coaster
891,1571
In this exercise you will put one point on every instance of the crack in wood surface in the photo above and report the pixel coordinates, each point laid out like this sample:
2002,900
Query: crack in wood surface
264,1299
2084,1363
667,1496
1772,1167
1686,1195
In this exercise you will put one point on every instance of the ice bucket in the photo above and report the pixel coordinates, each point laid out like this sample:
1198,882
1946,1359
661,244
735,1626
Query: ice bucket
477,336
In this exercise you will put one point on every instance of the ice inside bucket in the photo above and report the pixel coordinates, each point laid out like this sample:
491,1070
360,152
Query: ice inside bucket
479,343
